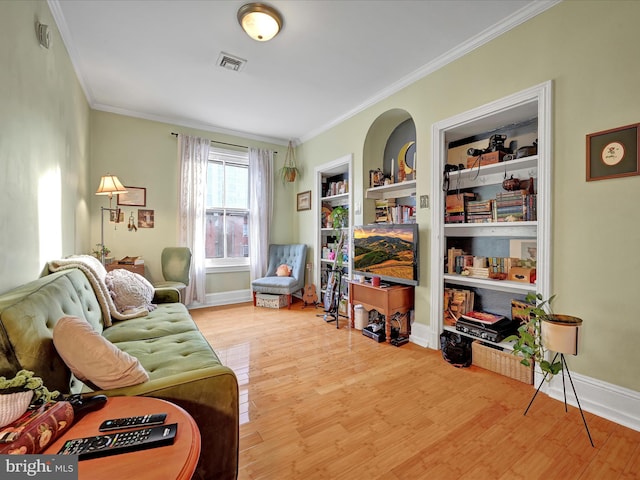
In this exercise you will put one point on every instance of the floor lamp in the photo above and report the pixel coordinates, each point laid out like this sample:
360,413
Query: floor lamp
109,185
560,334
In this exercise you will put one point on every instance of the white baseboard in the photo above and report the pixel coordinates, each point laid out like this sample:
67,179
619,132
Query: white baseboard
228,298
615,403
420,334
606,400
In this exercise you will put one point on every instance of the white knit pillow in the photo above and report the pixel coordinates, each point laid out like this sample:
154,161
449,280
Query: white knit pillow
130,291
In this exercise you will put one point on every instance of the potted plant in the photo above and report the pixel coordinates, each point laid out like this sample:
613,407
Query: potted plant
17,393
528,341
339,217
545,331
99,250
289,171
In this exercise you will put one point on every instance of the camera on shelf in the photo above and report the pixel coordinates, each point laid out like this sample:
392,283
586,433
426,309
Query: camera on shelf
496,144
449,167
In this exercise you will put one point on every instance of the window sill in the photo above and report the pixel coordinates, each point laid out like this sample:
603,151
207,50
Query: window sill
226,268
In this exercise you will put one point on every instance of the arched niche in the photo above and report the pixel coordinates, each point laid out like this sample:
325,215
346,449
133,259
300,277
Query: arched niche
390,135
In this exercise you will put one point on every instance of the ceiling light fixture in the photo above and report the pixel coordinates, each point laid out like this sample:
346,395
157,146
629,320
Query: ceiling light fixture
260,21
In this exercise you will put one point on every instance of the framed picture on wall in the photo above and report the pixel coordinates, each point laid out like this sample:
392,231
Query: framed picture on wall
613,153
146,218
304,200
134,197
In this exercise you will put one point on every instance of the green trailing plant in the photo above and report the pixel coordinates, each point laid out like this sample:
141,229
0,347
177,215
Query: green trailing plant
26,380
339,219
289,170
528,340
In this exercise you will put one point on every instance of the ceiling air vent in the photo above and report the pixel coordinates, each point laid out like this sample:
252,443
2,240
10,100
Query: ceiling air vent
230,62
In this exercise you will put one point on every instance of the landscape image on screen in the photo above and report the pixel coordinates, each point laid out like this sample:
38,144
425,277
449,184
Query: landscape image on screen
387,252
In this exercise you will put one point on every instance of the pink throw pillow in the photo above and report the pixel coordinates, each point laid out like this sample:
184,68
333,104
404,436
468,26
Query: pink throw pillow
92,358
283,271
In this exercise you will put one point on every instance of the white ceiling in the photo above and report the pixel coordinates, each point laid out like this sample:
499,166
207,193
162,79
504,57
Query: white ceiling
157,59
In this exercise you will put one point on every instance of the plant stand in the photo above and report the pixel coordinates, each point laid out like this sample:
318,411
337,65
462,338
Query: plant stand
564,391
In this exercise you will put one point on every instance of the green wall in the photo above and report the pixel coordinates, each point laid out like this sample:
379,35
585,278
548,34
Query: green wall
44,147
143,153
49,169
589,50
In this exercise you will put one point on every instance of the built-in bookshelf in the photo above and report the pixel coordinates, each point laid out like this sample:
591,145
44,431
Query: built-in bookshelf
499,238
333,189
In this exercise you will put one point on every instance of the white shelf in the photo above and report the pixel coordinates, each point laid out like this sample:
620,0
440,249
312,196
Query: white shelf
490,284
341,199
394,190
494,229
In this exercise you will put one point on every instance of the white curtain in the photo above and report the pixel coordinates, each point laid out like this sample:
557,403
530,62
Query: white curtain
260,208
193,155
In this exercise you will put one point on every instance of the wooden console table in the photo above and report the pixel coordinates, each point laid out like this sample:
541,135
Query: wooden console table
170,462
139,269
385,300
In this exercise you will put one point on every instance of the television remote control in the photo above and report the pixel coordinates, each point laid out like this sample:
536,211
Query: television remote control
132,422
120,442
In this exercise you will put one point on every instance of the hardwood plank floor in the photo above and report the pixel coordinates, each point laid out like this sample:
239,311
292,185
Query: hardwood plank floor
324,403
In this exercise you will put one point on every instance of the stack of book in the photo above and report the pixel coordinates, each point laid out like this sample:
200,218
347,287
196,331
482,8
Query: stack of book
452,253
502,264
383,206
480,211
516,206
456,207
131,261
456,303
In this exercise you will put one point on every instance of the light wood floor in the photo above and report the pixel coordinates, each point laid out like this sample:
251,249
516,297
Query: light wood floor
324,403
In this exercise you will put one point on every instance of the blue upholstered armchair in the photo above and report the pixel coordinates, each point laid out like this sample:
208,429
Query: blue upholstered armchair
295,257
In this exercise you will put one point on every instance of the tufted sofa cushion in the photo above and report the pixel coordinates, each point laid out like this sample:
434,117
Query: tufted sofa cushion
182,367
28,315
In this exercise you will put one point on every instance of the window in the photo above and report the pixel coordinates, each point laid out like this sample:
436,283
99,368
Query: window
227,218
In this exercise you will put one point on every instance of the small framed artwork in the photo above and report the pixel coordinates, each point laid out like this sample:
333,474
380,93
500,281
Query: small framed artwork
135,197
116,215
613,153
304,200
146,218
523,249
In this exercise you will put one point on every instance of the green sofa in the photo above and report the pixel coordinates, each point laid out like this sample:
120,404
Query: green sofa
182,366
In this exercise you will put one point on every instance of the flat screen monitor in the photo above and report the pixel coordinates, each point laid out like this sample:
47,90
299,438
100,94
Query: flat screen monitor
389,251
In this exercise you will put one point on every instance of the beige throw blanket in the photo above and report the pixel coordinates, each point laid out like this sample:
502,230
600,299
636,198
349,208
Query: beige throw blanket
96,273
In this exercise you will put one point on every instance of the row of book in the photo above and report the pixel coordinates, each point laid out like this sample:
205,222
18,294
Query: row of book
458,261
388,212
516,206
457,301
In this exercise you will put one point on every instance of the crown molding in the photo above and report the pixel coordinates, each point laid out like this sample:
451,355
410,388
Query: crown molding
461,50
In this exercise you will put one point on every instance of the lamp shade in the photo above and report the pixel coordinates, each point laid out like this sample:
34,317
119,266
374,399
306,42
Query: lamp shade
261,22
561,333
110,185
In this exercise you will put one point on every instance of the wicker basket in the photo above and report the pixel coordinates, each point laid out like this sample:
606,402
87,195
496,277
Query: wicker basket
504,363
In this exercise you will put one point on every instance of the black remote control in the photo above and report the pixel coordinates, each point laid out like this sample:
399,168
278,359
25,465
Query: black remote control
132,422
121,442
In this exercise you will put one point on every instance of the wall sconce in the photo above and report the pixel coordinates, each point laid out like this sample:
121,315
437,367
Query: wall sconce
109,185
260,21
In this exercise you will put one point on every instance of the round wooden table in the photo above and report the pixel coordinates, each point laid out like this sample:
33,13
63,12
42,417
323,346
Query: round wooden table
177,461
